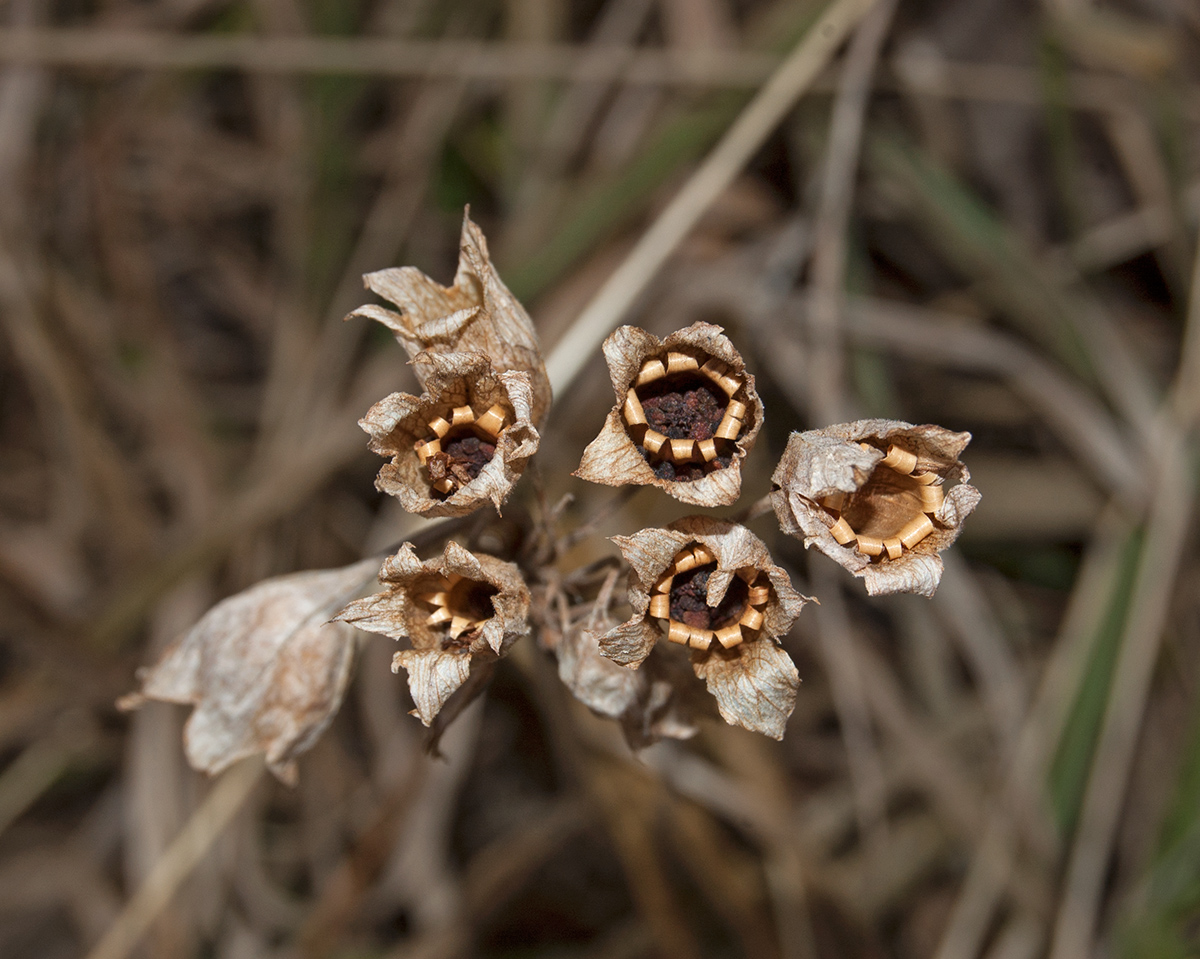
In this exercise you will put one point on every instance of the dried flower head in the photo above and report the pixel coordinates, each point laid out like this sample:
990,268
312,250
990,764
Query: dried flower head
710,585
465,441
477,314
686,415
265,669
874,496
458,608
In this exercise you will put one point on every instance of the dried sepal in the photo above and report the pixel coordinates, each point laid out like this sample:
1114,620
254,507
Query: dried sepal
710,585
649,703
265,669
455,610
686,415
462,443
880,497
476,314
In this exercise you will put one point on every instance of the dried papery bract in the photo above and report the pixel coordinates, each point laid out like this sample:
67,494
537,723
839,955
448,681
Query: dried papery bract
477,314
876,496
265,669
459,608
711,586
686,415
464,442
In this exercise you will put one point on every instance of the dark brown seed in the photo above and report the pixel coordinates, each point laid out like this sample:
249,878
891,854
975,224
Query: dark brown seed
683,409
689,600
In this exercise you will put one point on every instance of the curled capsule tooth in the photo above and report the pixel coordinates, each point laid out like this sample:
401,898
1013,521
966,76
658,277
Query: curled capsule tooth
427,449
758,595
894,547
730,636
870,545
842,532
932,498
684,562
443,485
462,416
737,409
752,618
714,369
492,422
653,441
700,638
440,615
664,584
729,429
681,363
925,479
660,606
678,633
651,370
434,599
729,384
703,555
632,411
901,460
440,426
682,450
917,529
834,501
708,450
459,625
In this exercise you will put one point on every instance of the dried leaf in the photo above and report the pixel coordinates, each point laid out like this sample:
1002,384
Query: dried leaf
876,496
456,609
265,669
686,415
464,442
712,586
477,314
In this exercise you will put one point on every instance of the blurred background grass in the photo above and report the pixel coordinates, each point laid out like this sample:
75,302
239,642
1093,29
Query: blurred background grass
983,215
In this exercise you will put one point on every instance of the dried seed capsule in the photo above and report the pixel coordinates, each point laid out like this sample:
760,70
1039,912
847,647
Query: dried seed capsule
873,495
711,585
686,416
453,609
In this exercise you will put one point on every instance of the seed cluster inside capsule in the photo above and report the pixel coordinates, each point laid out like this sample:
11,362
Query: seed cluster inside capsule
681,408
679,600
891,511
461,444
462,605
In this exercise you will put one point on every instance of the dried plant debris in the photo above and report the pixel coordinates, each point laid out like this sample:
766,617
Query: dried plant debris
459,608
881,497
686,415
265,669
477,314
464,442
710,585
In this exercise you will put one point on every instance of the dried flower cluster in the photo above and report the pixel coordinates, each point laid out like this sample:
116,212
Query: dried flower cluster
266,669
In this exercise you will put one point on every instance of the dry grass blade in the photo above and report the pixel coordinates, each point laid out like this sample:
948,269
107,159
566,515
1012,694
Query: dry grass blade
182,856
747,134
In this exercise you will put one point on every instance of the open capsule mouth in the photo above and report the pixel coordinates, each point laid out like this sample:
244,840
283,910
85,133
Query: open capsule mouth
458,605
682,412
680,601
459,443
892,511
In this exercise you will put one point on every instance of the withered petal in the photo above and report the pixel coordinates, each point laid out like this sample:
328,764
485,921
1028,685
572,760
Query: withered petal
754,684
433,677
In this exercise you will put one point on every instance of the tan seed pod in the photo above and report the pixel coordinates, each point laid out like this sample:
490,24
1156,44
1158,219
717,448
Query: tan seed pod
880,497
686,415
476,314
458,608
710,585
463,443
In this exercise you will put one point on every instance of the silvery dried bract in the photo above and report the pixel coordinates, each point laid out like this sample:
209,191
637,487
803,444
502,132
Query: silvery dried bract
881,497
477,314
462,443
711,586
455,609
265,669
686,415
